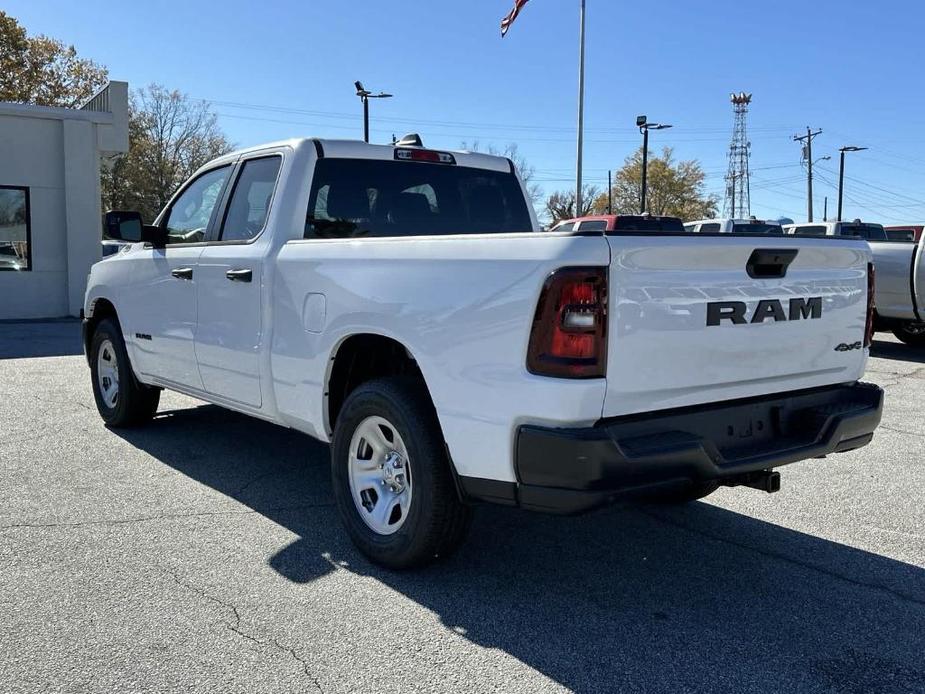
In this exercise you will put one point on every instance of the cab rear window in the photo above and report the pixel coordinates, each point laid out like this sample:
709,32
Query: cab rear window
757,228
871,232
375,198
640,223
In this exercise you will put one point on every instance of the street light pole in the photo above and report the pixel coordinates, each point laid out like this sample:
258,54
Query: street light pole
644,126
841,175
365,118
365,95
645,168
581,110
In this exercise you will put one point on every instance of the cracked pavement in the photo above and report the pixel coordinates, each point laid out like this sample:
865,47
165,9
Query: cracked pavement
203,554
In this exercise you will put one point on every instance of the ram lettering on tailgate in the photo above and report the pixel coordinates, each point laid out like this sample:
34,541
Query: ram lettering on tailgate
773,309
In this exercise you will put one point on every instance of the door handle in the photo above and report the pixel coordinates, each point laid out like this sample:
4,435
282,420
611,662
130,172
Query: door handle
183,273
240,275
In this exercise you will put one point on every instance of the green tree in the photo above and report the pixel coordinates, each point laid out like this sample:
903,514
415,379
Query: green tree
170,136
561,204
675,189
44,71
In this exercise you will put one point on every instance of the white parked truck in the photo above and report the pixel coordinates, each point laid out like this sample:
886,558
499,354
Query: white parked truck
397,302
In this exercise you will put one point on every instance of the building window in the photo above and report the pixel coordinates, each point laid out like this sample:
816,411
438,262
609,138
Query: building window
15,231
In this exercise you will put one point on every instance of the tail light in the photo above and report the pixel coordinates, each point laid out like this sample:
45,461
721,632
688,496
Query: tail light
569,335
869,327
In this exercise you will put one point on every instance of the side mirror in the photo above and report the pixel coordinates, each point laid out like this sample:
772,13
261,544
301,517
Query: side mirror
123,225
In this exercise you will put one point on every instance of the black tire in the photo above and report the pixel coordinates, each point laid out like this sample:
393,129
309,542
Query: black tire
913,334
135,403
685,495
437,521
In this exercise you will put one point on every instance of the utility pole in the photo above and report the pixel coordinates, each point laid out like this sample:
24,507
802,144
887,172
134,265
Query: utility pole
825,210
808,154
609,191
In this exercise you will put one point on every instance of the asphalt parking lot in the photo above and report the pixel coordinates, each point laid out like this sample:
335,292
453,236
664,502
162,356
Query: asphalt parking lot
203,554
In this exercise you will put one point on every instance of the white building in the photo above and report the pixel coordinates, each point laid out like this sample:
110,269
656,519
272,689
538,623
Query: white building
50,217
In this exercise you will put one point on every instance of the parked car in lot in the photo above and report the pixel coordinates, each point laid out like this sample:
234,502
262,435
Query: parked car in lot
900,295
619,222
395,301
906,232
733,226
856,229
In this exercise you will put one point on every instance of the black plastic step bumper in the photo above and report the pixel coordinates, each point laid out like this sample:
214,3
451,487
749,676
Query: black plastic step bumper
575,470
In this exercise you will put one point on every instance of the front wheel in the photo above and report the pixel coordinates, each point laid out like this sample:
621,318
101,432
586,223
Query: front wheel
913,334
392,478
120,399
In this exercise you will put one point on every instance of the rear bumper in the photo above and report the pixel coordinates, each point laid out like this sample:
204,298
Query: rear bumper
574,470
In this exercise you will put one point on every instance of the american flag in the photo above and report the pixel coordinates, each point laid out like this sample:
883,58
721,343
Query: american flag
507,21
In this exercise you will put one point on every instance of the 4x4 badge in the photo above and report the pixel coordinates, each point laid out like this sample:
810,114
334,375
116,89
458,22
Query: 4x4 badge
845,347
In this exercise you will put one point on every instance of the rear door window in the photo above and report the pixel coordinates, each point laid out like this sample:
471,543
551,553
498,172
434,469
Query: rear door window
250,200
376,198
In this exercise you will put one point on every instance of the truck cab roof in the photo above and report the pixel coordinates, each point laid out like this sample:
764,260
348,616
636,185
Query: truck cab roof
357,149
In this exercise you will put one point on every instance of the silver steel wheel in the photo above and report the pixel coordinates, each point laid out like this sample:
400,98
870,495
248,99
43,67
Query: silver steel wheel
380,475
107,373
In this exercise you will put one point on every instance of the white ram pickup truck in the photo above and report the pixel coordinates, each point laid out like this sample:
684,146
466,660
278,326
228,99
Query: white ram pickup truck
397,302
900,295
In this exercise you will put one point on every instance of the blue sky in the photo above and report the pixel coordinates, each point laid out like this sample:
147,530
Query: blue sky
280,69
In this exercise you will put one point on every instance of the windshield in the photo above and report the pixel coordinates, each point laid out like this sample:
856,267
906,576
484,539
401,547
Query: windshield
363,197
640,223
757,228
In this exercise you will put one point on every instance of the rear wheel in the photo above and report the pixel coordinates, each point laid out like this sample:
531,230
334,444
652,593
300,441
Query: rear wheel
392,479
913,334
121,400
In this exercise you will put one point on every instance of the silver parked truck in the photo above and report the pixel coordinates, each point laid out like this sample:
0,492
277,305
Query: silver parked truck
899,298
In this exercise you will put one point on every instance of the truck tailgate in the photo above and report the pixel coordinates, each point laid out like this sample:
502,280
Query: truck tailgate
691,323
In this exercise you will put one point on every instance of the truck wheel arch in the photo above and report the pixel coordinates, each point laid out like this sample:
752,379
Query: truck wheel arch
99,310
363,357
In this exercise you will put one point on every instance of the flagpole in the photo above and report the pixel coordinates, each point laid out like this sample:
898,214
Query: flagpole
581,109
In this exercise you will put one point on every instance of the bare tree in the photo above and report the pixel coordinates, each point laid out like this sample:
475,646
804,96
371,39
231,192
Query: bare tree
524,169
170,136
561,204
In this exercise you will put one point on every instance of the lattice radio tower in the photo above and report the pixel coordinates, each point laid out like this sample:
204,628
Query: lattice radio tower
738,202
